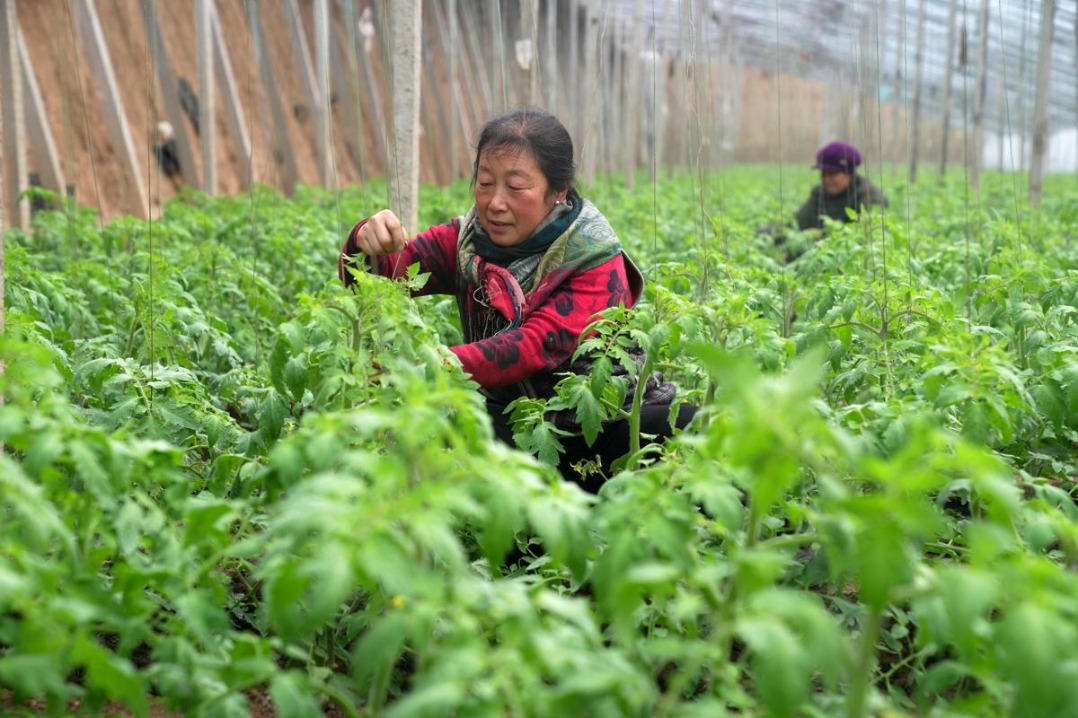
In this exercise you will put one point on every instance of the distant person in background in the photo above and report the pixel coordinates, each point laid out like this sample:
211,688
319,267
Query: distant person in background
840,188
189,102
165,151
37,202
531,263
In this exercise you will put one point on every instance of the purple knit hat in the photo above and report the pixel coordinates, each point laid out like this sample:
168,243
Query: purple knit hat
837,157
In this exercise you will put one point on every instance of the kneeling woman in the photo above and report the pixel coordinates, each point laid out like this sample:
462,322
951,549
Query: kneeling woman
531,264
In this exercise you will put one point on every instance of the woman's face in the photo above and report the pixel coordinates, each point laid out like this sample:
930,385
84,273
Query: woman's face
834,183
512,195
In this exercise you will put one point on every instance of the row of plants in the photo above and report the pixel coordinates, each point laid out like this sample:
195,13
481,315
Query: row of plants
224,474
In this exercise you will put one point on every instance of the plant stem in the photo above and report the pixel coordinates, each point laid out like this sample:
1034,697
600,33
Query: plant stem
863,667
634,417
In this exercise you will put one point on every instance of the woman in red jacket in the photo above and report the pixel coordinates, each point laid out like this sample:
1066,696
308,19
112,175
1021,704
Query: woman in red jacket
531,264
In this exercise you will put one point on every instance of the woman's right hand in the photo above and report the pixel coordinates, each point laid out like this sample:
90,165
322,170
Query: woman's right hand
380,235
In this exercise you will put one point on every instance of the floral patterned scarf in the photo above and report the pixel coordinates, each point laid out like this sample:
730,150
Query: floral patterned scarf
510,283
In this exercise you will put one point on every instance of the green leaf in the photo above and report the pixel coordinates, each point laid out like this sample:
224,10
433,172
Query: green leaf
653,573
286,584
541,440
128,523
431,701
35,675
331,578
779,666
589,411
502,521
940,677
1050,404
379,647
271,415
601,371
1030,643
111,675
292,696
46,446
278,357
295,376
204,518
203,615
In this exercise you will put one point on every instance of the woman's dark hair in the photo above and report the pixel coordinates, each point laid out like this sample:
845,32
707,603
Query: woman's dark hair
538,132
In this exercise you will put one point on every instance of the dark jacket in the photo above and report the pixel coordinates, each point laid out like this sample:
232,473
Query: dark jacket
861,193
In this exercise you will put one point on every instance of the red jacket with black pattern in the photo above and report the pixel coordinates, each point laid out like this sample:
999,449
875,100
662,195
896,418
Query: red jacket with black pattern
521,360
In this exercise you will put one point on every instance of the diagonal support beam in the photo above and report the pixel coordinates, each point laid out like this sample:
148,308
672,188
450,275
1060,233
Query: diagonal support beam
14,126
282,146
93,40
169,90
237,125
46,158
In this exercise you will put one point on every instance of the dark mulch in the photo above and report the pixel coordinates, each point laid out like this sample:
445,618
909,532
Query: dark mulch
257,698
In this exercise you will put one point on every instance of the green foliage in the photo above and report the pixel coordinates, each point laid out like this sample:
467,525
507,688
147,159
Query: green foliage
222,472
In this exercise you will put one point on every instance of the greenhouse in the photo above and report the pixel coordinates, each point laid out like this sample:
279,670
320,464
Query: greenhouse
539,358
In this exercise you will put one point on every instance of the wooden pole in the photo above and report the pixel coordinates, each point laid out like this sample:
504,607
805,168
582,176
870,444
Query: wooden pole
899,92
4,100
528,47
478,81
550,58
661,85
948,73
5,22
575,89
497,41
7,15
312,84
282,146
93,39
14,119
979,98
345,70
167,79
589,77
1021,85
918,88
611,83
42,147
634,110
1040,104
452,70
434,110
237,125
407,20
459,74
687,74
302,54
373,93
207,104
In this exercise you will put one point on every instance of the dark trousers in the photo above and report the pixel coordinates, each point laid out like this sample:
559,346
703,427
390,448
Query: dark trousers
611,444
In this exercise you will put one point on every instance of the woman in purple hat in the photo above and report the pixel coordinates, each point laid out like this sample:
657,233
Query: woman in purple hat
840,188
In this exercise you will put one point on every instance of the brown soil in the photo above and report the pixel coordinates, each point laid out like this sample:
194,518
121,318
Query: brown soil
258,699
92,165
